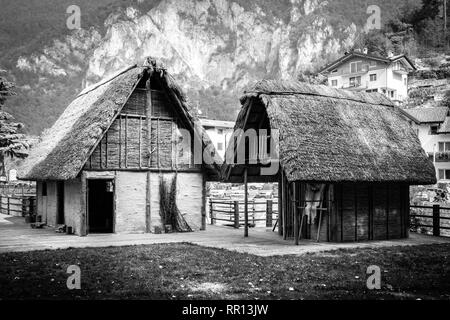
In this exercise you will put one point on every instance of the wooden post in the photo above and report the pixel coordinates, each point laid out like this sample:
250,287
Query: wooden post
203,202
148,190
236,214
295,204
148,208
245,202
211,212
8,213
436,220
253,212
84,218
285,198
269,210
280,207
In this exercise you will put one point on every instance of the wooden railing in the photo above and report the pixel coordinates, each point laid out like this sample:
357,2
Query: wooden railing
20,205
229,212
18,199
433,219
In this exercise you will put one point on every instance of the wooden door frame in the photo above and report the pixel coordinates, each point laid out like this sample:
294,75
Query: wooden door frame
86,176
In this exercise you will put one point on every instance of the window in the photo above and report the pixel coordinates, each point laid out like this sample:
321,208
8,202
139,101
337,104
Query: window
44,189
355,81
334,83
355,67
334,71
434,129
373,77
444,174
372,90
220,146
220,131
444,146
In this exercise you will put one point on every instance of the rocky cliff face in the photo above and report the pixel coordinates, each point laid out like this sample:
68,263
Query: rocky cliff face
219,45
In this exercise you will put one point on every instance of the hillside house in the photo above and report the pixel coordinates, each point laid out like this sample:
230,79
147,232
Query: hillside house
433,128
362,72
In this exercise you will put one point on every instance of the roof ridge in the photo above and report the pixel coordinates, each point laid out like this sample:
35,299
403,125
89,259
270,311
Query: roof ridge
287,93
106,80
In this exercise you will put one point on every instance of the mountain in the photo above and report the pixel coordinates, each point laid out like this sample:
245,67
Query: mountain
214,47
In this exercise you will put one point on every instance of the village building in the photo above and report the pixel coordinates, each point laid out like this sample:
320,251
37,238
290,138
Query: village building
219,131
433,129
346,160
359,71
101,166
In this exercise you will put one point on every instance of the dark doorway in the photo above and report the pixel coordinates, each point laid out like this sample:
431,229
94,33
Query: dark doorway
100,206
60,201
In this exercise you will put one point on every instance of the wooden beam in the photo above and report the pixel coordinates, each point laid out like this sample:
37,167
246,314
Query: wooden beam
245,203
203,202
149,121
106,149
149,138
126,141
356,211
140,138
120,141
296,224
280,206
84,208
284,206
148,204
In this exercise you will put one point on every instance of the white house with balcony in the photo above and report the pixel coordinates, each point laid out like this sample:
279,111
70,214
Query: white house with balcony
219,132
359,71
433,128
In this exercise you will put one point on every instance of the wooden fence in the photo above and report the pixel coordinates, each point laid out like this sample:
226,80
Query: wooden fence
433,220
18,199
228,212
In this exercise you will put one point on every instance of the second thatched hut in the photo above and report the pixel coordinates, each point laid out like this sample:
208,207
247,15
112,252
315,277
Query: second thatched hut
346,160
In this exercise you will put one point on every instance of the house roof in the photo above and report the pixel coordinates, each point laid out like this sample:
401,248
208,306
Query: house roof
429,115
332,135
445,127
67,145
353,54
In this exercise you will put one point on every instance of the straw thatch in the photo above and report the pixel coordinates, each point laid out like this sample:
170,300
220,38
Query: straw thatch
332,135
66,146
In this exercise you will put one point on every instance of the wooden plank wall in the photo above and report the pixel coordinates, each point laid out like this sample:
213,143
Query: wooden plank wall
125,144
369,212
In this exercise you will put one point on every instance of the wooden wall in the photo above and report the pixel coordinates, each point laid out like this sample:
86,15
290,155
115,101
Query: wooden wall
370,212
354,212
126,144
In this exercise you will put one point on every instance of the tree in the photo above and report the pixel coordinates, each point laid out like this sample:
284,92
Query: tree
12,142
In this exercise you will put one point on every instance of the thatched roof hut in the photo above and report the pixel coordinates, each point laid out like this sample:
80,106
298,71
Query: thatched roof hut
101,165
350,156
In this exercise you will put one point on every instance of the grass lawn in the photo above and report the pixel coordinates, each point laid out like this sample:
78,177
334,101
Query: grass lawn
184,271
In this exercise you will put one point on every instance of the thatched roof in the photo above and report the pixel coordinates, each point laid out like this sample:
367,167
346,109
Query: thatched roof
67,145
332,135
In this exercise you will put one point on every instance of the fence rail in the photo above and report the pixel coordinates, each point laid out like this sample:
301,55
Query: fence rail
18,205
229,212
436,223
